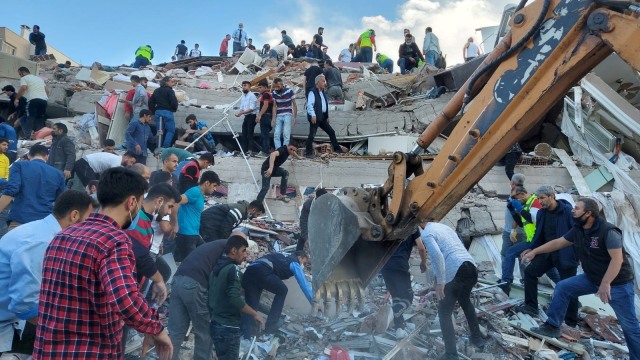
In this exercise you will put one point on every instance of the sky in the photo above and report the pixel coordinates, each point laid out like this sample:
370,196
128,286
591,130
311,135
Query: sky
86,31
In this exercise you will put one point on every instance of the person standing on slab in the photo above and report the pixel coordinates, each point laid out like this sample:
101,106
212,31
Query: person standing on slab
248,108
272,167
318,116
163,104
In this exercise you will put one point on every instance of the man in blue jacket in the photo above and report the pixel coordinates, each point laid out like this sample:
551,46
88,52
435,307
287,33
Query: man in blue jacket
267,273
137,135
553,221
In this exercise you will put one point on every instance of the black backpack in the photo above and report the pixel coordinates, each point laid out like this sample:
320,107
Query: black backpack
441,61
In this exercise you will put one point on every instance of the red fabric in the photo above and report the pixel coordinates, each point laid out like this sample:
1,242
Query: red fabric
88,290
110,105
339,353
224,47
127,107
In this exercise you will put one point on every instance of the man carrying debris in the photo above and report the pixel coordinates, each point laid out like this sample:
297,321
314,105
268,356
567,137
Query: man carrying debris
272,167
144,55
318,116
137,135
62,154
189,298
88,289
21,255
267,273
304,219
552,221
607,272
286,111
408,55
225,301
455,274
397,278
265,116
217,221
248,106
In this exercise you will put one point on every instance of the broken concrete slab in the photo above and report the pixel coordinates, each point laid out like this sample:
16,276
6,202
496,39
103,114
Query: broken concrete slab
83,102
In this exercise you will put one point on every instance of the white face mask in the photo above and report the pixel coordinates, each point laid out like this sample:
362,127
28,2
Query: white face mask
134,220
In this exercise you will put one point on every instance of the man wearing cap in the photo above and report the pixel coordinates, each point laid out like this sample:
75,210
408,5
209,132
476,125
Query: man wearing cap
366,40
317,44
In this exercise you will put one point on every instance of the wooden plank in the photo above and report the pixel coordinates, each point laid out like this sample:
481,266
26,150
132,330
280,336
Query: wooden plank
574,347
576,175
257,79
400,82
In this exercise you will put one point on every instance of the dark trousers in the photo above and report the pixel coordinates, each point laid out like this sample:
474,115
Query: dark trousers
398,283
458,290
226,340
538,267
302,240
185,244
141,61
202,144
248,127
266,183
257,278
317,52
24,345
36,110
141,159
265,129
313,129
188,305
510,160
84,172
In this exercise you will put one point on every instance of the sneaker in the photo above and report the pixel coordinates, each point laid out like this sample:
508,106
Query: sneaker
401,333
506,288
478,341
547,330
262,154
526,309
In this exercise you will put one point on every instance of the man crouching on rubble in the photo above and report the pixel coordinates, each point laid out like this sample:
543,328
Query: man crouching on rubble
455,274
607,273
226,303
267,273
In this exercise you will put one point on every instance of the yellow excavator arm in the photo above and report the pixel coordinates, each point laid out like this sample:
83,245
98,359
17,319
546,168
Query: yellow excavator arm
552,44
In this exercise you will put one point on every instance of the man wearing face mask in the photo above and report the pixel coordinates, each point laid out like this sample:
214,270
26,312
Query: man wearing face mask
408,55
21,253
87,278
218,221
248,108
552,221
62,154
607,272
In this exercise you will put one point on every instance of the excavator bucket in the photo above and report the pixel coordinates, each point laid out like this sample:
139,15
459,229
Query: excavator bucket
344,253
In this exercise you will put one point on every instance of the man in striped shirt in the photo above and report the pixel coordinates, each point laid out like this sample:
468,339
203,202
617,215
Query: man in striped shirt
285,113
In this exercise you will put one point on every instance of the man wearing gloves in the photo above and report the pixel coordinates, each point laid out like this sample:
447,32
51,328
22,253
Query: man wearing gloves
455,274
267,273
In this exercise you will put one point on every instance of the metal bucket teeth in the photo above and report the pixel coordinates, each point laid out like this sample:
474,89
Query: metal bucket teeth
339,299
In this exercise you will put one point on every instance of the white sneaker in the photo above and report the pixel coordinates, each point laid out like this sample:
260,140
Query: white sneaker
401,333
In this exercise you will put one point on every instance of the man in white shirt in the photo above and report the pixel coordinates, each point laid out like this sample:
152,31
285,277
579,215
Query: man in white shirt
195,52
91,166
248,108
282,51
36,92
471,50
21,256
345,54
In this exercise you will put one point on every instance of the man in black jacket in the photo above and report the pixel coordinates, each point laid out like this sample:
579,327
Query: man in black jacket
318,116
272,167
62,154
164,103
218,221
36,38
408,54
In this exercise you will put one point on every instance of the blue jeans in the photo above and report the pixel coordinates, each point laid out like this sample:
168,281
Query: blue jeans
41,51
510,258
258,278
265,129
237,47
283,127
622,299
387,65
168,126
366,54
226,340
431,57
406,65
141,61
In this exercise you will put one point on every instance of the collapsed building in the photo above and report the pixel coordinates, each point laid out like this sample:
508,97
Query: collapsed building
598,123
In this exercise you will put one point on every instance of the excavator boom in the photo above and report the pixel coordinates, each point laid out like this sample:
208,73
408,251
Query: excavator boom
552,44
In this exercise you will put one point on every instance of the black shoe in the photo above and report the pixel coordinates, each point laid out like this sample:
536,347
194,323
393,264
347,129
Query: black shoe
547,330
526,309
478,341
338,151
506,288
